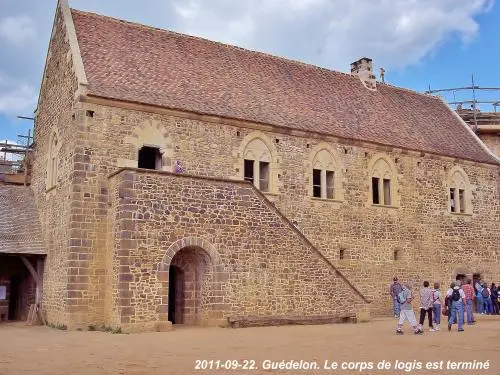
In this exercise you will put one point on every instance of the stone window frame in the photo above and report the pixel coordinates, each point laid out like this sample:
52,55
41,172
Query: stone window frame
257,146
459,181
53,160
381,166
150,133
324,157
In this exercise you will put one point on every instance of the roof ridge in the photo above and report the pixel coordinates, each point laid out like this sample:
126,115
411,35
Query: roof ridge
408,90
226,45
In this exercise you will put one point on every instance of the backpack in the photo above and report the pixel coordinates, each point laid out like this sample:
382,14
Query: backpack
455,296
485,292
401,297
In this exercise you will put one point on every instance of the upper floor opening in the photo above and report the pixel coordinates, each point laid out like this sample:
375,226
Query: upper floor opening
150,157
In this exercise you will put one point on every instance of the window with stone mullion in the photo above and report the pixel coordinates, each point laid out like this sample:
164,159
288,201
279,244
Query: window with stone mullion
257,173
457,200
323,184
381,191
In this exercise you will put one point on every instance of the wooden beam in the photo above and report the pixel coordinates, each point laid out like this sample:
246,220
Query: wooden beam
30,267
37,312
34,274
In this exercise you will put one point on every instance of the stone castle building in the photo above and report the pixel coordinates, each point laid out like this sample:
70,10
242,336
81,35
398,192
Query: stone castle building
182,180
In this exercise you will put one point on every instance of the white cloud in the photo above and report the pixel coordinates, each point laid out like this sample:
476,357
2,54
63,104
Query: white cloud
17,30
333,33
17,100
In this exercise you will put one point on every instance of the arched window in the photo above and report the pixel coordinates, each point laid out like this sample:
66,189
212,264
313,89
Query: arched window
325,175
149,147
459,192
258,158
257,162
383,182
53,161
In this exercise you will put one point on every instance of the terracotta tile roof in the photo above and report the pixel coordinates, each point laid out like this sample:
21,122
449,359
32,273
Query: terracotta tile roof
136,63
20,230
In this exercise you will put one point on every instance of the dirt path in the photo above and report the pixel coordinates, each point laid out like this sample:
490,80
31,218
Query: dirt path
46,351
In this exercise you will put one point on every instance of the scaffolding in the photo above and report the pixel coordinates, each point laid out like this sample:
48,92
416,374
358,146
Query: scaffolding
14,156
473,115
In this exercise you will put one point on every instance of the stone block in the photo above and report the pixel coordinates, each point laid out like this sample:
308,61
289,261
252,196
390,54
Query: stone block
165,326
363,315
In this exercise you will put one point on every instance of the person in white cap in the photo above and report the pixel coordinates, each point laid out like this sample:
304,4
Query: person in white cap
405,298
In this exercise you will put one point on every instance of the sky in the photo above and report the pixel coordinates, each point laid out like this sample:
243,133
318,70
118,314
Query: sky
440,43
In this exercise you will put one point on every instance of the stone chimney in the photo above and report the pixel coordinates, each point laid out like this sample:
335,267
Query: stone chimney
363,68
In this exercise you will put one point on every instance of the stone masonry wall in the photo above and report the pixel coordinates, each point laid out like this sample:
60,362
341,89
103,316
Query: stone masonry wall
81,220
492,141
54,115
261,266
433,244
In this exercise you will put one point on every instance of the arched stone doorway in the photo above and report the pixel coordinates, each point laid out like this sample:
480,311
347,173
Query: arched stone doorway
194,284
190,280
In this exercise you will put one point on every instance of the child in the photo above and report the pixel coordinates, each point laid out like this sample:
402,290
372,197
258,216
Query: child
405,298
437,306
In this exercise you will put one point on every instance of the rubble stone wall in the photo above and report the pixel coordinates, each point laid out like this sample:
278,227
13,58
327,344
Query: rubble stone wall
431,242
255,264
54,203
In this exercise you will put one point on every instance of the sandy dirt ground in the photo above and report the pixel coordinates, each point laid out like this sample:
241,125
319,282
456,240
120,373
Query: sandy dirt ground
47,351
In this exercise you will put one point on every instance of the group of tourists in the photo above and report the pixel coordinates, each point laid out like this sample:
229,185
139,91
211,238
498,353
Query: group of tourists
457,302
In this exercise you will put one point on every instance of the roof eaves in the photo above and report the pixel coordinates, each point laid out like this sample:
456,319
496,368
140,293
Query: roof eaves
496,159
